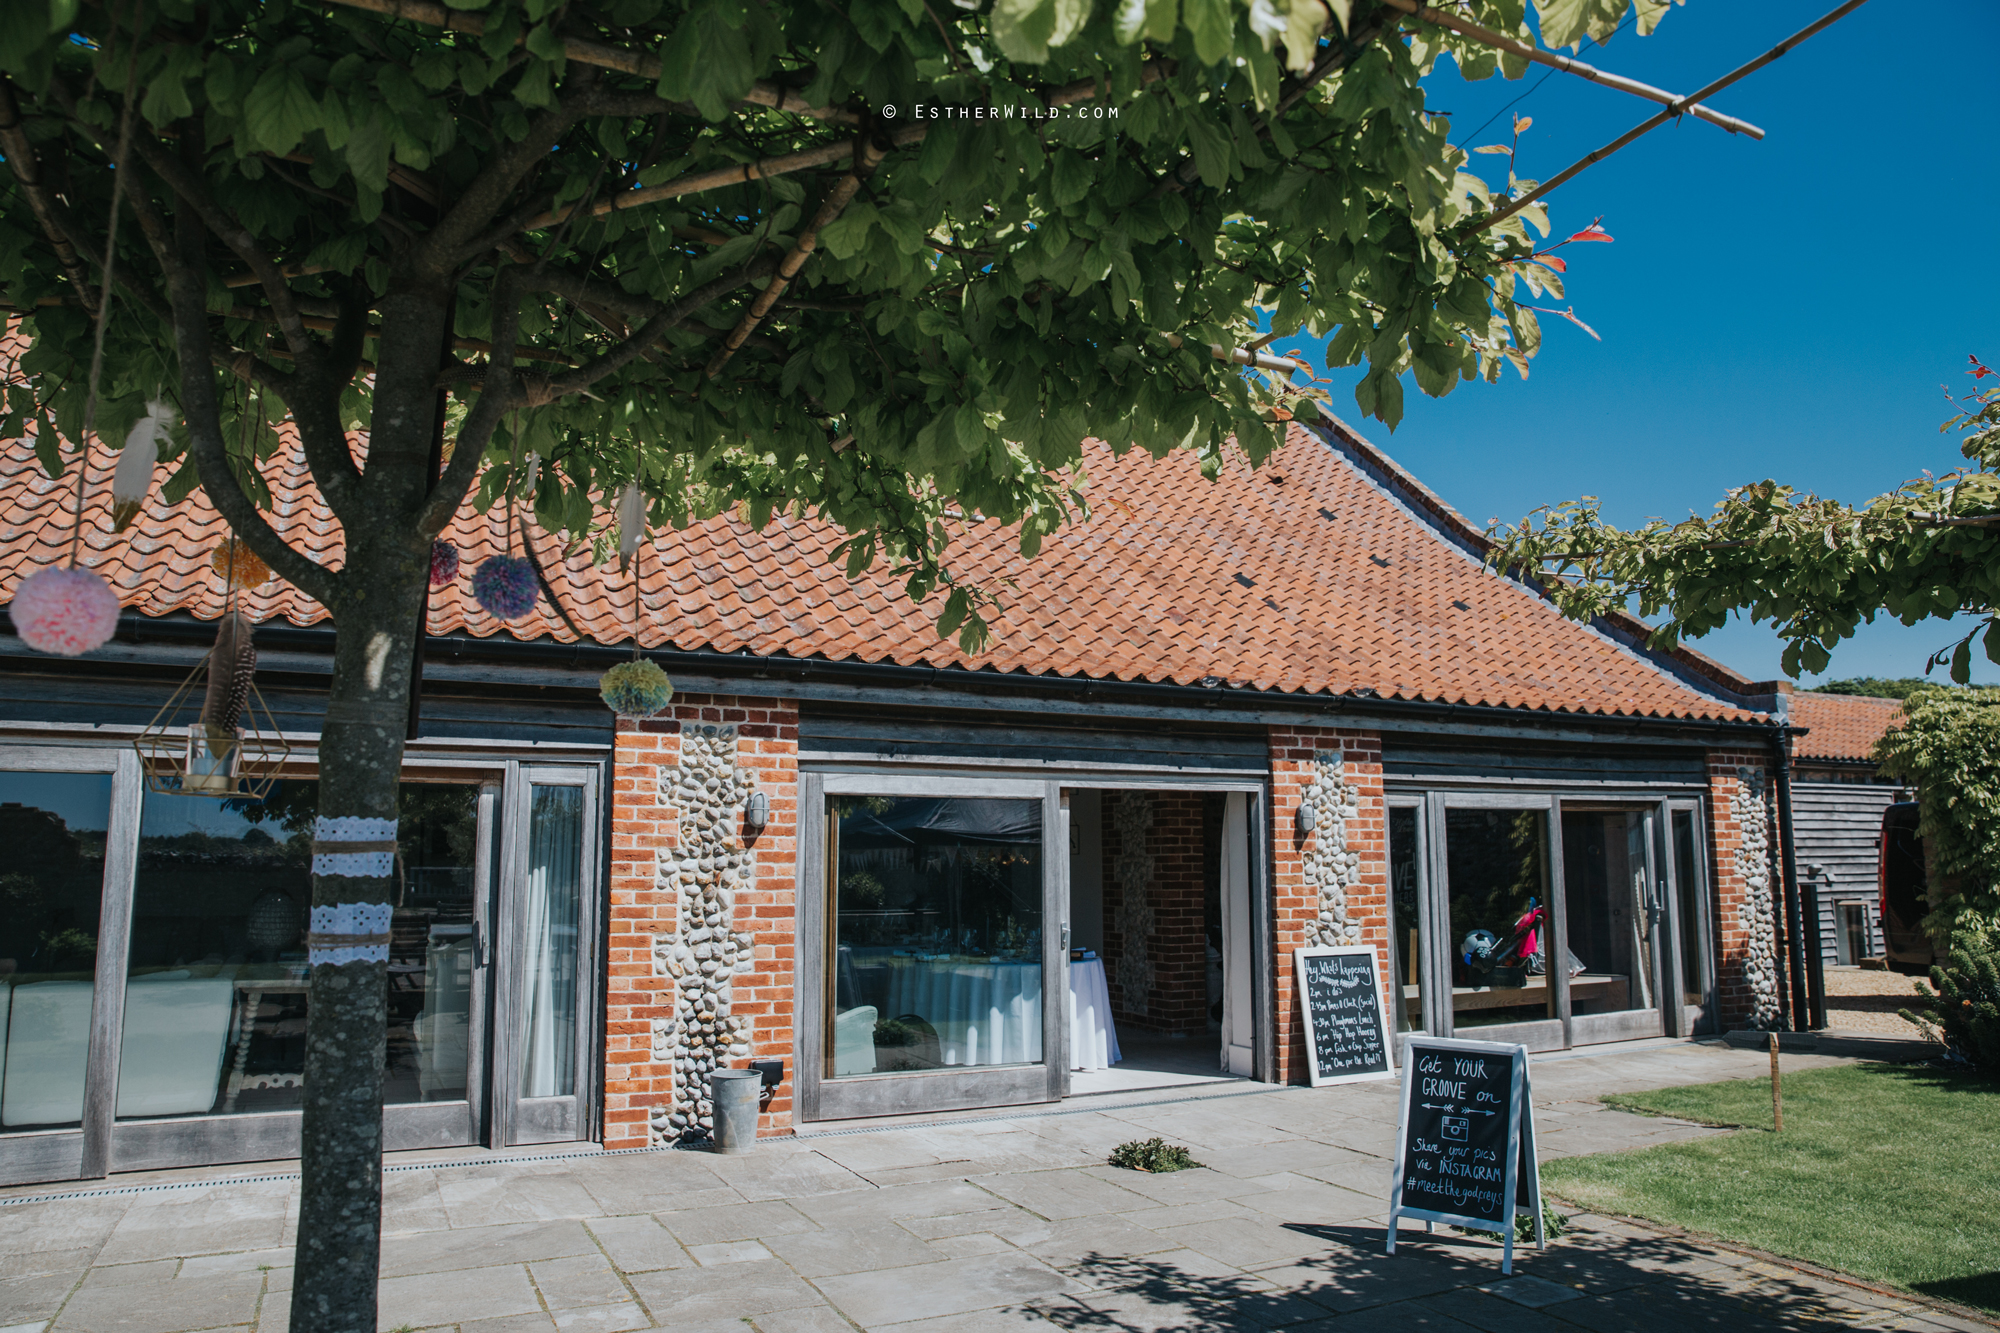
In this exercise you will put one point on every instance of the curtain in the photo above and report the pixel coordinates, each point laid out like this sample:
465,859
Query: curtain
550,943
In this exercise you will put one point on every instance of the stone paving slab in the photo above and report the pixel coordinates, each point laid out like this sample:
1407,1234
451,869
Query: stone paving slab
970,1224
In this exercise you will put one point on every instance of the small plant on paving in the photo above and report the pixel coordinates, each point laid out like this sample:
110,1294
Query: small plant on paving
1553,1224
1156,1155
1963,1011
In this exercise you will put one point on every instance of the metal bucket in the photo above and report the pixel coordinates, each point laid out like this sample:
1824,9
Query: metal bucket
736,1093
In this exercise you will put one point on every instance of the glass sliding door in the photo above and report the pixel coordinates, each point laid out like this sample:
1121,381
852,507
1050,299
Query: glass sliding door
54,827
1616,911
1409,886
548,919
1497,889
211,1066
1687,864
938,942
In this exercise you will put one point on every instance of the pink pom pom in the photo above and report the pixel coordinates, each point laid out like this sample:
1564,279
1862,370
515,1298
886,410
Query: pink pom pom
444,563
505,587
64,611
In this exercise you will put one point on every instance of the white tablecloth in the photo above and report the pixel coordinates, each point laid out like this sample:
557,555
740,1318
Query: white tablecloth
984,1013
1093,1039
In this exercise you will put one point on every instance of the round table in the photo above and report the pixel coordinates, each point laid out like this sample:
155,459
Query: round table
1093,1038
985,1013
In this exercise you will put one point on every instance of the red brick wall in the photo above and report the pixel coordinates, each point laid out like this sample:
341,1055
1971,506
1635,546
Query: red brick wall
1729,888
1296,903
1176,946
644,830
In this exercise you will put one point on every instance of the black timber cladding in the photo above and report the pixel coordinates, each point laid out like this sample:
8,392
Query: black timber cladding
1837,825
1414,756
834,732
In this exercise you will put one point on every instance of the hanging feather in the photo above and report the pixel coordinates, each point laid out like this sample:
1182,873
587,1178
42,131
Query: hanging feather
134,474
631,524
231,664
533,476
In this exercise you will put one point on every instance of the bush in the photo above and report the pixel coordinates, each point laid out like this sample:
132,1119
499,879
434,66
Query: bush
1152,1155
1964,1009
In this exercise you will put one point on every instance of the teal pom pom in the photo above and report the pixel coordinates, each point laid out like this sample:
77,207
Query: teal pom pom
636,689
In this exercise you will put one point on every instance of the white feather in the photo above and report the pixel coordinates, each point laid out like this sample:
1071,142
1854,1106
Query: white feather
631,524
534,474
133,476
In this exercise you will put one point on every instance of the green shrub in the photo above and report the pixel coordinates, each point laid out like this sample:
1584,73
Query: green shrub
1964,1009
1152,1155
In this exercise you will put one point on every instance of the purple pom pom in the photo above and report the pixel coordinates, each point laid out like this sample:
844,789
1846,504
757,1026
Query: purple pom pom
505,587
64,611
444,563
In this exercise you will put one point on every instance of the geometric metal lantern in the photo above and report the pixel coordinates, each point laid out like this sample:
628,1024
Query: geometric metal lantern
189,758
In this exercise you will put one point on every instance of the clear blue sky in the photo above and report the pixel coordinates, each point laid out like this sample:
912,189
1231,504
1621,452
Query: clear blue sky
1785,308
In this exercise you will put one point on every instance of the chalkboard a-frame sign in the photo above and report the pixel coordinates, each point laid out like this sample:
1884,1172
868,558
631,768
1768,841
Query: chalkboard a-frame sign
1347,1030
1465,1142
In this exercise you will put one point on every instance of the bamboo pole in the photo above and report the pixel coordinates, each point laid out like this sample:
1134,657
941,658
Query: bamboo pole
867,157
1675,109
1557,60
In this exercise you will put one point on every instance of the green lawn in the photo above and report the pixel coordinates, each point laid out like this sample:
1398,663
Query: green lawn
1887,1172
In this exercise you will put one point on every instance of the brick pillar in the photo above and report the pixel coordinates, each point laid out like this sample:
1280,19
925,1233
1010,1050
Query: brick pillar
1330,886
1744,898
1155,880
658,831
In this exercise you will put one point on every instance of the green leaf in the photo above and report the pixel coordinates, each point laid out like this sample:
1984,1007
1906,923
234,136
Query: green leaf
1567,22
1023,27
1211,150
62,13
279,111
368,151
1212,25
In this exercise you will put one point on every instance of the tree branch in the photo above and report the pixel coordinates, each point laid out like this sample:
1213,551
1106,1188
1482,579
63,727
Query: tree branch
499,393
47,208
487,192
587,374
187,279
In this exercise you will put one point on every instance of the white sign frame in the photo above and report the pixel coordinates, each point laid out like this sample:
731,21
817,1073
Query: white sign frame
1520,1148
1299,957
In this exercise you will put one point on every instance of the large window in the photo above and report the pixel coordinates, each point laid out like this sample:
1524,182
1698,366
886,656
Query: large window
215,997
1613,912
53,828
1497,894
936,948
1406,916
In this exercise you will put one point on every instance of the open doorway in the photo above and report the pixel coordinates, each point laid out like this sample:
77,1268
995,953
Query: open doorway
1159,913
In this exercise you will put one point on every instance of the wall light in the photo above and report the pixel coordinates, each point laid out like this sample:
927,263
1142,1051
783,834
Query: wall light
1308,818
756,811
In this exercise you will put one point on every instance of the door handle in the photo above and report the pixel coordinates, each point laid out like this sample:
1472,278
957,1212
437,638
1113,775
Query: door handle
478,943
1065,937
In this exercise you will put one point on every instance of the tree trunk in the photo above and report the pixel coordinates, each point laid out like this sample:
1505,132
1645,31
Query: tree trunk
361,755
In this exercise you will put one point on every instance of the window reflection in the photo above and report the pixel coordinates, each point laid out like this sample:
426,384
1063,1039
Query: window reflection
1498,893
937,934
52,827
215,1002
1613,916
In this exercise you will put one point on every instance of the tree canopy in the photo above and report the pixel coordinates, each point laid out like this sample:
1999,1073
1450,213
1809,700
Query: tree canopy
1816,568
1004,229
1948,747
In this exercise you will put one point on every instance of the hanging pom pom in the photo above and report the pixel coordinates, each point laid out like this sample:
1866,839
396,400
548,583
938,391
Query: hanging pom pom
505,587
240,567
631,524
636,689
444,563
64,611
134,474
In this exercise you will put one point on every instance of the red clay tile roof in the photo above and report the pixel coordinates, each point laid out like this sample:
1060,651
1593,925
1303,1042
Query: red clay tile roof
1324,571
1843,726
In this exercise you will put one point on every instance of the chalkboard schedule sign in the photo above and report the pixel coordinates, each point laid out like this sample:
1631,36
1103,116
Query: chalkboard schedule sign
1347,1030
1465,1142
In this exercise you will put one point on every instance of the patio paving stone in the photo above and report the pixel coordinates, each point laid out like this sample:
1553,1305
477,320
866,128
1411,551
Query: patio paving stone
972,1226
